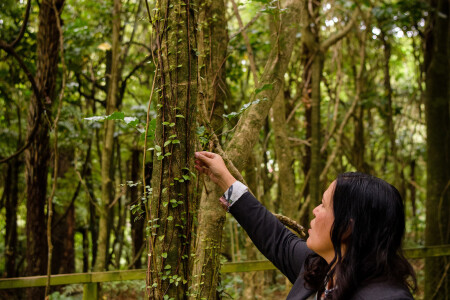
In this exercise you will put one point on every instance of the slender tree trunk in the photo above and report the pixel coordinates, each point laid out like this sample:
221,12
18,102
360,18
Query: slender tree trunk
137,220
171,205
286,178
11,191
315,188
211,216
63,258
38,154
389,115
437,95
93,217
108,147
358,142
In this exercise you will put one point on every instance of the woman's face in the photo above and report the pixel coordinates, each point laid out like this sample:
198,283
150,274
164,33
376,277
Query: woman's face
319,239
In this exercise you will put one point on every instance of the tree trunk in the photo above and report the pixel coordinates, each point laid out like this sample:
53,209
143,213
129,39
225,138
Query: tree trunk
211,216
11,191
251,289
171,205
137,220
389,115
63,258
286,178
38,153
437,95
108,147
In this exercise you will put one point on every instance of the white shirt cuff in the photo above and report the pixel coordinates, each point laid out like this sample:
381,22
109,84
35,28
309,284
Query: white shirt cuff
234,192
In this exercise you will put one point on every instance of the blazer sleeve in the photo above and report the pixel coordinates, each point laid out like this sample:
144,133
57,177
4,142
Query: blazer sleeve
282,247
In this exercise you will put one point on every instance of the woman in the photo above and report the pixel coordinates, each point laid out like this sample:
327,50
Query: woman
354,246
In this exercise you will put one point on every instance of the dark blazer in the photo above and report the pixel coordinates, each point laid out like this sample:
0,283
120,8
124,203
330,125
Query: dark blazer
288,252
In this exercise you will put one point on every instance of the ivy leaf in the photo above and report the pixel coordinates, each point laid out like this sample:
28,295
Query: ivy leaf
267,86
158,148
164,255
167,143
200,130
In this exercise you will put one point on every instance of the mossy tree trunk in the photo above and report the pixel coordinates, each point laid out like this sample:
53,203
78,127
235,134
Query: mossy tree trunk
437,103
288,202
212,217
171,207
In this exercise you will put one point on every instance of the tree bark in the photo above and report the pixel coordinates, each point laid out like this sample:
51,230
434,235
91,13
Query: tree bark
11,191
38,154
137,220
437,105
108,146
286,178
171,205
389,114
211,216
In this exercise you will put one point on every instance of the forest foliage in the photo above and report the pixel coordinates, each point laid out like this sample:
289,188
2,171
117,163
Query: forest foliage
290,92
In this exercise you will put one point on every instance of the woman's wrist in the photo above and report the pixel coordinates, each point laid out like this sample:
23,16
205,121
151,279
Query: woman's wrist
227,182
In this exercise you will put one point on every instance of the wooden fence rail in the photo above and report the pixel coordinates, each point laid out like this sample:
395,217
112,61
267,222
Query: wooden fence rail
92,279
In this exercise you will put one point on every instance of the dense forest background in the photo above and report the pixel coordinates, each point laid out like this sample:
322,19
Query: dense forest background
104,102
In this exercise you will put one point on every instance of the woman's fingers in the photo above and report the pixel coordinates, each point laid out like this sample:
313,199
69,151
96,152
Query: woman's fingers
204,157
207,154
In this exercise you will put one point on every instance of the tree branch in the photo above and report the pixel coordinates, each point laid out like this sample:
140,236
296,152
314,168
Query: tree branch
24,25
10,50
334,38
252,21
251,57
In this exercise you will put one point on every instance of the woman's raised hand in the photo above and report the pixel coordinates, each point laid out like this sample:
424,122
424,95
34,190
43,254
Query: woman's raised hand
213,165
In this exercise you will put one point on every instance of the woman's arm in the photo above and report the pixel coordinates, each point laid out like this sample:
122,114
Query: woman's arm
283,248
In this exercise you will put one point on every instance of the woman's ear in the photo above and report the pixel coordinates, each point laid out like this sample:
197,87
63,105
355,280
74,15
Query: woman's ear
348,232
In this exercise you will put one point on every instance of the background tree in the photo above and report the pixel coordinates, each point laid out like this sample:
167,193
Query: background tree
437,95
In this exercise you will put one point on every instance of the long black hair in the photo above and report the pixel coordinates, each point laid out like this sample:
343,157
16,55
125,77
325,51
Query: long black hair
369,223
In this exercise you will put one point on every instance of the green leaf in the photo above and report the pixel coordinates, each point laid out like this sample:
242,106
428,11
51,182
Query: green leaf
164,255
161,237
175,142
179,116
160,157
267,86
96,118
169,218
117,115
158,148
167,143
